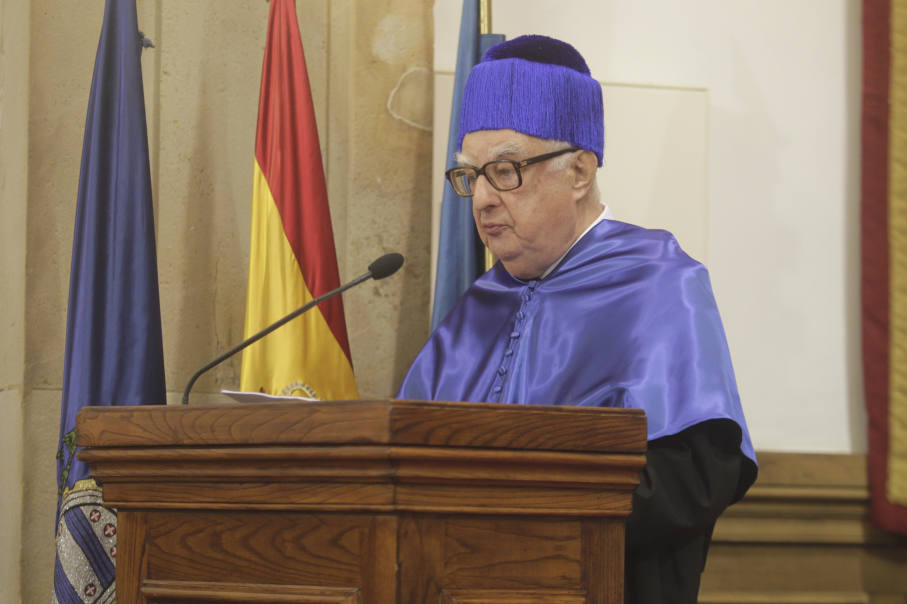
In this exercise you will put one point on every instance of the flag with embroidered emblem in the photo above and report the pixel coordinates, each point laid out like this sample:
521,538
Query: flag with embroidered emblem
114,351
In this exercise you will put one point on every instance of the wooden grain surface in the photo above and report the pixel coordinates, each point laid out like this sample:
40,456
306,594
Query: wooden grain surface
429,423
510,553
510,560
512,596
132,561
421,555
375,502
230,424
332,558
369,477
363,464
262,548
519,426
201,592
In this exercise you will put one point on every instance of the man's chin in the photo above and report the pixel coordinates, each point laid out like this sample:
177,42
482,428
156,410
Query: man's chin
501,254
519,270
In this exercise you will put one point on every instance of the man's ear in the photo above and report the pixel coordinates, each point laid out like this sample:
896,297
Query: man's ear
585,167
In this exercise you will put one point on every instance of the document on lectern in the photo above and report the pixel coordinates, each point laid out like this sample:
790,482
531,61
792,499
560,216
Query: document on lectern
262,397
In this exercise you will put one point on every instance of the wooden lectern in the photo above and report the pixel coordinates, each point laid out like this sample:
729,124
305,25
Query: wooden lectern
371,502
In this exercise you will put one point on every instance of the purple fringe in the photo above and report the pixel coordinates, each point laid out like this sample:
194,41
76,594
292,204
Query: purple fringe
538,99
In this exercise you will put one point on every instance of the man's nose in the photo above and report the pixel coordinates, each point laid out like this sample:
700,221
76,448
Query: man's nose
483,194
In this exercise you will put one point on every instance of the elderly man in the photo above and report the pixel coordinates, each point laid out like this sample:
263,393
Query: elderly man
585,310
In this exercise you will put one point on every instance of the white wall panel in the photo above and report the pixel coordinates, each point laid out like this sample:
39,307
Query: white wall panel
779,205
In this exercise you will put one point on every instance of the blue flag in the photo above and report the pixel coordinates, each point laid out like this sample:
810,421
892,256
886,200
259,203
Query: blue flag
114,351
461,256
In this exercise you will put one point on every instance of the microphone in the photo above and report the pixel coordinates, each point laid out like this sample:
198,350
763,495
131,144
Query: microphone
385,266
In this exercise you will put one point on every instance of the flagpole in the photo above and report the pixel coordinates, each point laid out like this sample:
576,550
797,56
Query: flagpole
460,256
485,28
484,16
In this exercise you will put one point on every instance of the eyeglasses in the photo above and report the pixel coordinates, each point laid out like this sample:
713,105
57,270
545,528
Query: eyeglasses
502,174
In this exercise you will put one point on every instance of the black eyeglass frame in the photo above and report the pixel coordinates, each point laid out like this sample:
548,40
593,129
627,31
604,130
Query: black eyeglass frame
517,166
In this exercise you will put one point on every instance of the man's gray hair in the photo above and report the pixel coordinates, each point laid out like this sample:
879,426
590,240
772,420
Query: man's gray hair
561,161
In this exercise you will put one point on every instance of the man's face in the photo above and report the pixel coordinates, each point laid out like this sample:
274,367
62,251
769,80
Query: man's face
530,227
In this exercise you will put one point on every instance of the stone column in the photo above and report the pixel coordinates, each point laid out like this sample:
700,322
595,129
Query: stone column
14,73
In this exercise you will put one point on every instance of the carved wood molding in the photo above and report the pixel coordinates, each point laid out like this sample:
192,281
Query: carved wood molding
374,478
804,498
784,597
449,465
802,535
511,596
377,456
203,592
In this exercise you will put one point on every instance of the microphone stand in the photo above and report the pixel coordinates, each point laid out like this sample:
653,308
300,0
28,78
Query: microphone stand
254,338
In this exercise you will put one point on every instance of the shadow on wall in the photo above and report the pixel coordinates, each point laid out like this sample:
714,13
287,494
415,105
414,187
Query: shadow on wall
853,72
412,102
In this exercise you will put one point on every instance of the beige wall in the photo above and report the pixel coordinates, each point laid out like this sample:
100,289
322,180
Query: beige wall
369,65
14,40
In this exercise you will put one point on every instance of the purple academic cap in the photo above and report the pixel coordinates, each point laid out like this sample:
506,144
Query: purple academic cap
538,86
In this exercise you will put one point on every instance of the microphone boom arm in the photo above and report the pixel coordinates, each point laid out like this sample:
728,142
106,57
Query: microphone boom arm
254,338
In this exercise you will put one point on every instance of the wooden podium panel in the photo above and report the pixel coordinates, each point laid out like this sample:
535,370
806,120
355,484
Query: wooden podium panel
372,502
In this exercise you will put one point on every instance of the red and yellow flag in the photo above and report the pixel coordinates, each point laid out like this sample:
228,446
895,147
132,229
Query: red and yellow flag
884,256
292,258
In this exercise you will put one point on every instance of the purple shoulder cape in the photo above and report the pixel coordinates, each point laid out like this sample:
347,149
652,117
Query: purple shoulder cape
626,320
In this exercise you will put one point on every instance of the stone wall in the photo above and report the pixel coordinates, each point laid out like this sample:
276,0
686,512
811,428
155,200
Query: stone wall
369,66
14,41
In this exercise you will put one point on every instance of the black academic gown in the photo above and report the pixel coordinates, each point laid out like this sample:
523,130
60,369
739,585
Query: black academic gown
689,479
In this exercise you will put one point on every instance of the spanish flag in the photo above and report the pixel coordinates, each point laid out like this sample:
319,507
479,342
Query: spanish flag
884,256
292,258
